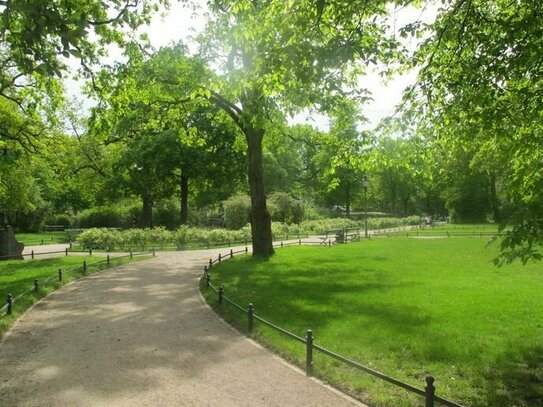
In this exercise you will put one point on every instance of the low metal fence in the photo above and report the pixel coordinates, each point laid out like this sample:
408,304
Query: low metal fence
417,232
428,392
7,309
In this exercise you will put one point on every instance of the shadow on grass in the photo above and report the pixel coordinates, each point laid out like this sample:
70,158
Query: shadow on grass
515,378
326,299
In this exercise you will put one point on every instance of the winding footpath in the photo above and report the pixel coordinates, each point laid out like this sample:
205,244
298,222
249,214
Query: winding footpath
141,335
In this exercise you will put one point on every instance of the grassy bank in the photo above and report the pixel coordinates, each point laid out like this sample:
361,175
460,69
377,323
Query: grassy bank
17,276
406,307
35,239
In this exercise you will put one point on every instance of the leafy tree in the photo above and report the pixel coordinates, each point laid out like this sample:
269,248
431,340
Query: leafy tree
38,35
282,57
171,138
480,84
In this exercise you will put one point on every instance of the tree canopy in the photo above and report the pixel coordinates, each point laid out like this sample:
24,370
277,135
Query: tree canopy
479,88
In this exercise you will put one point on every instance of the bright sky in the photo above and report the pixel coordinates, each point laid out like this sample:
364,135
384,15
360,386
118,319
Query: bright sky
182,23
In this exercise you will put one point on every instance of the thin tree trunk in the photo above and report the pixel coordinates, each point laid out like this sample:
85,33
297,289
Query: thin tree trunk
184,214
494,198
147,215
260,217
348,199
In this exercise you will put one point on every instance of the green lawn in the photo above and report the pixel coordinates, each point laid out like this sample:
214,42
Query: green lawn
406,307
35,239
448,230
17,276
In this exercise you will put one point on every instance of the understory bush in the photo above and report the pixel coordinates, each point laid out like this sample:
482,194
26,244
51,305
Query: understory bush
318,226
110,239
160,238
119,216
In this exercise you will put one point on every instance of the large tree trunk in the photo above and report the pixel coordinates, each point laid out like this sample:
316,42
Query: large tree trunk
184,184
494,198
260,217
147,215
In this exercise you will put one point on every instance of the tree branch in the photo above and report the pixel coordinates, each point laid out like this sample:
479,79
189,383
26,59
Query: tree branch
229,108
118,17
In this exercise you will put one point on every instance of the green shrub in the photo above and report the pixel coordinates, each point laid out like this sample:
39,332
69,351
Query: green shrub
282,207
182,235
62,219
145,239
101,239
114,216
167,214
237,211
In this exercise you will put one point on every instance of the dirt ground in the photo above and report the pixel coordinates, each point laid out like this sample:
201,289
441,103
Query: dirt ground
141,335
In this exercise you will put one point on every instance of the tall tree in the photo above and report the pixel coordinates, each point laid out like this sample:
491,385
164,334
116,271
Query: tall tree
39,35
481,83
279,56
169,134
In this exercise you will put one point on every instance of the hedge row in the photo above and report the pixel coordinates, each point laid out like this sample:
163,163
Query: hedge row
107,239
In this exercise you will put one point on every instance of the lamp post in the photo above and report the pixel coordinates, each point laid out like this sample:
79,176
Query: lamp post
365,185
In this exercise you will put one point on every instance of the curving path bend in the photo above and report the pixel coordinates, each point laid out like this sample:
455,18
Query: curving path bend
141,335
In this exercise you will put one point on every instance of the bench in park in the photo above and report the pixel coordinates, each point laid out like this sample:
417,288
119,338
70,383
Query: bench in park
341,235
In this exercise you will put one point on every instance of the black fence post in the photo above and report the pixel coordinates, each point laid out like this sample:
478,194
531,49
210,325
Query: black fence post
10,304
208,280
231,253
246,250
309,353
300,241
221,293
131,255
70,245
220,258
281,243
430,390
66,251
42,241
250,317
210,263
84,266
154,254
59,275
108,260
36,285
32,254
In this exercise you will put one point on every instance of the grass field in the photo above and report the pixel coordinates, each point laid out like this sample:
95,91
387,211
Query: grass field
17,276
406,307
447,230
35,239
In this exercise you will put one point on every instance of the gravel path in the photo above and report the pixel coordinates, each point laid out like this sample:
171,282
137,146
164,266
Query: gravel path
141,335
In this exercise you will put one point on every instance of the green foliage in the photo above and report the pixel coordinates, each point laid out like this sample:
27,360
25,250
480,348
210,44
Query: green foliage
237,211
117,216
160,238
283,208
407,308
321,225
100,239
61,219
479,90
